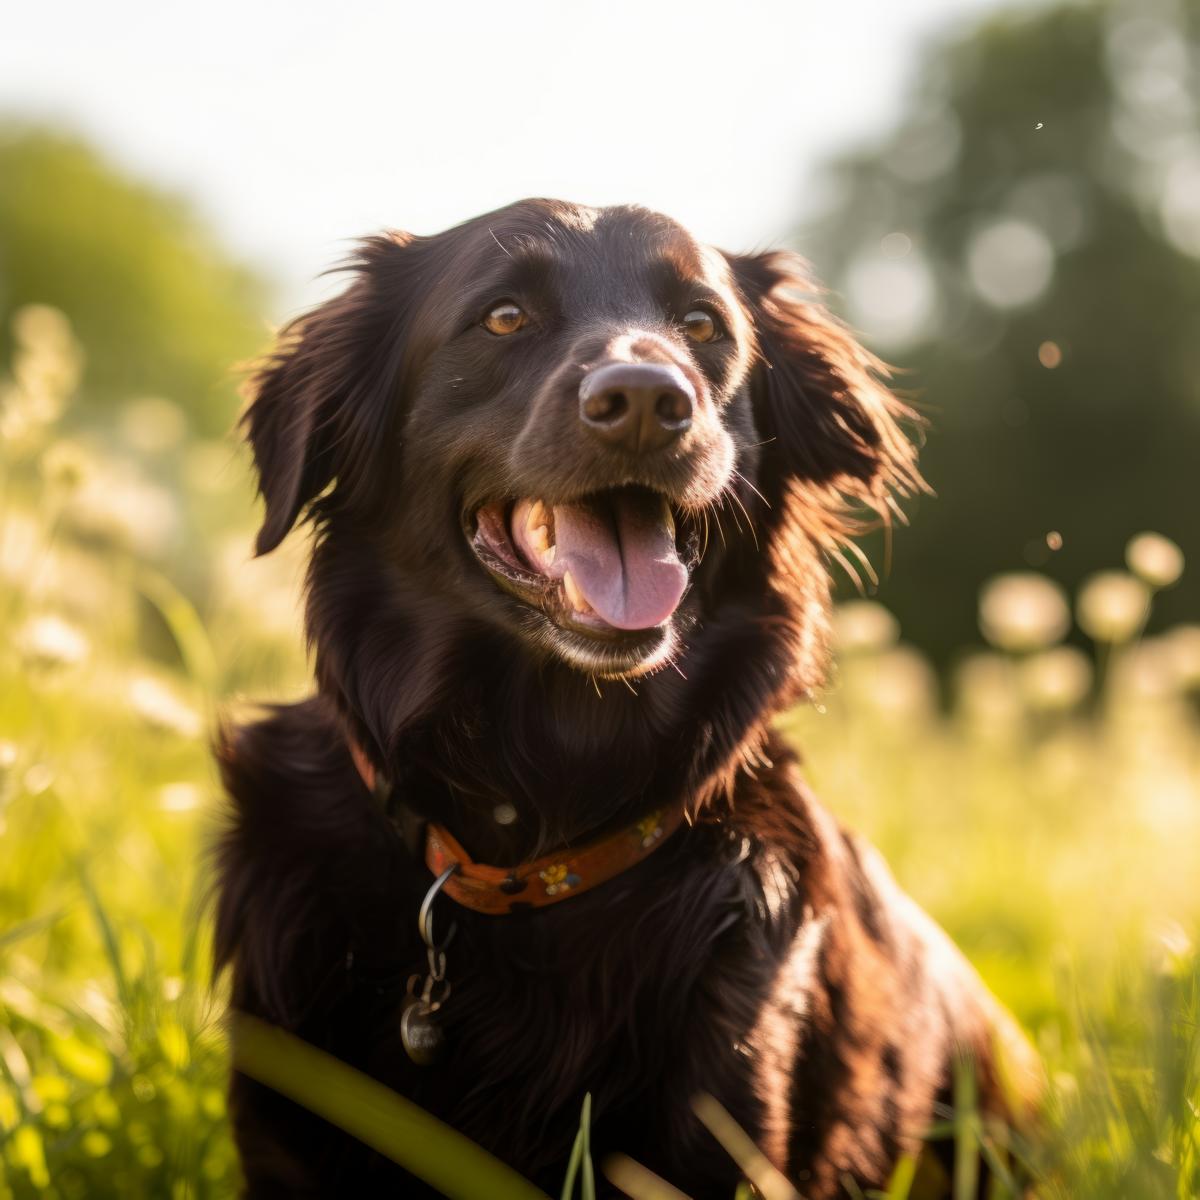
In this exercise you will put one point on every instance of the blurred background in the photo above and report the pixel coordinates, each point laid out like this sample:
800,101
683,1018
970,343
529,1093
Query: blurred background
1003,199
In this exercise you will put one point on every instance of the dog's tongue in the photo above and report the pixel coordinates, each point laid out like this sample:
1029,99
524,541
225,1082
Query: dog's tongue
620,550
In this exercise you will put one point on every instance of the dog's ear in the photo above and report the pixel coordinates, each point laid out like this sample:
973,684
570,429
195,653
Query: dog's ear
819,397
320,401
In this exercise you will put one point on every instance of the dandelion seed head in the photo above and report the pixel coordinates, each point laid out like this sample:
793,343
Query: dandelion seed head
863,625
1154,559
1056,680
1111,606
1023,611
48,640
181,796
160,705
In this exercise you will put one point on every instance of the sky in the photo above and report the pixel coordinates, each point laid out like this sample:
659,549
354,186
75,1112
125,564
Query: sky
294,127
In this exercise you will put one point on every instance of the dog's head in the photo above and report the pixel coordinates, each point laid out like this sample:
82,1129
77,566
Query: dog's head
578,427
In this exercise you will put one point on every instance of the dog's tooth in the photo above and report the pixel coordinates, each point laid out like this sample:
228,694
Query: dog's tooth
574,595
537,516
539,539
549,555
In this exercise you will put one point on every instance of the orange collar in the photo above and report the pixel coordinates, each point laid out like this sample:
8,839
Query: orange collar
546,880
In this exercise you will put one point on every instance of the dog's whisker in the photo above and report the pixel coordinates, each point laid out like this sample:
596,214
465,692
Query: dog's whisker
720,529
752,487
749,523
722,500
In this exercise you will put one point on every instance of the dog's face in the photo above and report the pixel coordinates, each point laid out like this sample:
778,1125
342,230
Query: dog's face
544,414
585,392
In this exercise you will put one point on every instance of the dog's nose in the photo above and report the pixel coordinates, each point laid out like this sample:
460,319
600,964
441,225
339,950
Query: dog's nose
636,406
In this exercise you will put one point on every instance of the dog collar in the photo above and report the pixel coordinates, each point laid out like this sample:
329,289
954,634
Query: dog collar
544,881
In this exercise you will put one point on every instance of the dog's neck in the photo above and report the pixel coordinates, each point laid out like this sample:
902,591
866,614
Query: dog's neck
526,758
512,785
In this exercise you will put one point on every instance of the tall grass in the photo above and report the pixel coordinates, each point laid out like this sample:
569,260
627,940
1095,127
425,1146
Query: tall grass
1046,809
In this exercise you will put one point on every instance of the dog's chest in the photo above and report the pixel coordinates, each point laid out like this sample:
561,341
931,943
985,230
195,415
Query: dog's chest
643,1001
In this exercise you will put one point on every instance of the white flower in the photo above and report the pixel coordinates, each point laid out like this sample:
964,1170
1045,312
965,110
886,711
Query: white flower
153,425
1023,611
65,465
181,796
50,641
1112,606
117,504
987,691
160,705
1056,680
902,684
1184,643
864,625
1154,559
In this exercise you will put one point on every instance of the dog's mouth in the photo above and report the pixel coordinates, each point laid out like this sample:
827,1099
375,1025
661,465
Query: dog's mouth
614,565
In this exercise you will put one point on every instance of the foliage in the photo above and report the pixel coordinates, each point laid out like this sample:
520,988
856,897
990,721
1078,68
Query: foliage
160,306
1025,246
1049,819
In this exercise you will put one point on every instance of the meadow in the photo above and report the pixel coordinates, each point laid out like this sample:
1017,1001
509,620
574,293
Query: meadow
1042,801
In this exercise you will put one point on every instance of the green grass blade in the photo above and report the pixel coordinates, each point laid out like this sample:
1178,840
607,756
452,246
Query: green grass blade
568,1187
639,1182
740,1147
374,1114
108,938
30,928
900,1184
585,1127
966,1141
185,625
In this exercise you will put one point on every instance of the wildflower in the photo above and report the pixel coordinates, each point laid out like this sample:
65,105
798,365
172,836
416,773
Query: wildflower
1056,680
1112,606
153,425
863,625
987,690
902,684
39,326
160,705
1023,611
65,465
1154,559
50,641
38,779
1173,943
47,364
1184,643
180,796
117,505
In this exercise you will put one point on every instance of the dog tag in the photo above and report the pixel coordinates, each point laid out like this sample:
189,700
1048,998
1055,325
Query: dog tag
420,1033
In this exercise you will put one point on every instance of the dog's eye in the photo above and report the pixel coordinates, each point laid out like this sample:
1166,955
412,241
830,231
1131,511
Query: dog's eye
504,319
701,326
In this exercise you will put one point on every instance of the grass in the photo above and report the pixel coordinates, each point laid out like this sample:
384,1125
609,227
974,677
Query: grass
1046,810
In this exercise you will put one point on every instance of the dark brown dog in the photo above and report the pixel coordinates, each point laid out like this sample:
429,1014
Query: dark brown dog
574,479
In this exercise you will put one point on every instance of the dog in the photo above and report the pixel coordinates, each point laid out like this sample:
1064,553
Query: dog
574,481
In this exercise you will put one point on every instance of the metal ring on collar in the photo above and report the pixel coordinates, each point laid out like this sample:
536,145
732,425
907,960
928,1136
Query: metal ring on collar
425,916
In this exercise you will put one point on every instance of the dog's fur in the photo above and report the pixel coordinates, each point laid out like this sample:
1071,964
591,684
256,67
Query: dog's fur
762,955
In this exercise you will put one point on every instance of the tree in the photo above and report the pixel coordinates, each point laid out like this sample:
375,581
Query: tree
159,307
1025,245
